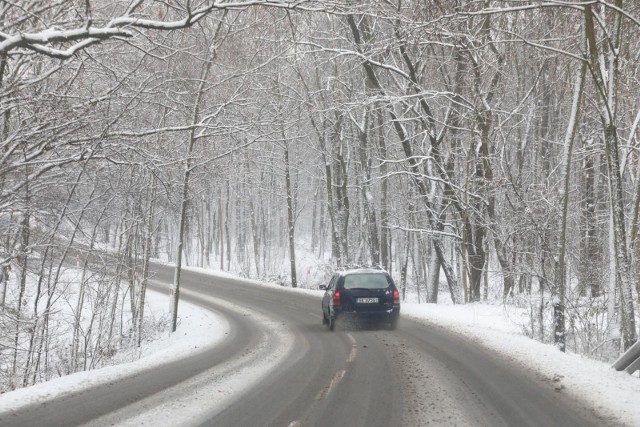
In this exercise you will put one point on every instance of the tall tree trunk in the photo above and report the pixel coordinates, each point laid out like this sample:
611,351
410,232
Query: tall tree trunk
404,265
627,324
367,199
559,305
175,287
146,256
221,219
590,249
255,234
197,105
384,195
291,221
604,71
635,218
227,229
342,197
331,210
25,233
433,278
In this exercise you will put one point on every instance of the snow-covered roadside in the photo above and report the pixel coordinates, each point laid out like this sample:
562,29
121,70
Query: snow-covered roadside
191,402
195,401
197,329
614,395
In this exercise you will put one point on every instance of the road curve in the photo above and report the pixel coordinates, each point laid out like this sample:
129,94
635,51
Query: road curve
416,375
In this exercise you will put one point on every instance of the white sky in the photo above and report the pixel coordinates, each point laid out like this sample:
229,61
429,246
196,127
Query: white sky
612,394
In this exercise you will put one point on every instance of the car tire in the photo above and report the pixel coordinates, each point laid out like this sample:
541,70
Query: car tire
393,325
332,323
324,319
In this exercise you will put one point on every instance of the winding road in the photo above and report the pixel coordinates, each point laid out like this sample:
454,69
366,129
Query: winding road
416,375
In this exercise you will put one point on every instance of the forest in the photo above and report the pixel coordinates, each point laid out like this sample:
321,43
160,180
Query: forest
480,151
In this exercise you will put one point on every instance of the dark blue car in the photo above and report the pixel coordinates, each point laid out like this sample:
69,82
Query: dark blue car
361,295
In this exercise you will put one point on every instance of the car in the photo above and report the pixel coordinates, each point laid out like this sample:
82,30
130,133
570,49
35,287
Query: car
361,295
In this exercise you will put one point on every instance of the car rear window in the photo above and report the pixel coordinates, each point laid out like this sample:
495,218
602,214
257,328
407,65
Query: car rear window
368,281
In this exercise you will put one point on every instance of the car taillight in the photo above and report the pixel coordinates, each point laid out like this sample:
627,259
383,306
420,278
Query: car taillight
336,298
396,296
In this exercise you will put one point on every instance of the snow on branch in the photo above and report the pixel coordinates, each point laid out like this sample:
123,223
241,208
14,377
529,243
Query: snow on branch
121,27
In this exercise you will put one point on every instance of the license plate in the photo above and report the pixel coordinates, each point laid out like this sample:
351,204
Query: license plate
367,300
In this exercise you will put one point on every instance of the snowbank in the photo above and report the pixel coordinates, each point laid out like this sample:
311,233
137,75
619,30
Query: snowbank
197,330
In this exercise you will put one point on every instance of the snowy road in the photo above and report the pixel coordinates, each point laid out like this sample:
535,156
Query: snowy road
413,376
279,366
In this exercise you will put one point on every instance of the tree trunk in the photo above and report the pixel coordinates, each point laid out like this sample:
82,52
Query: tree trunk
590,250
175,288
255,234
146,256
290,216
559,305
627,324
384,196
605,75
221,219
23,263
433,277
367,199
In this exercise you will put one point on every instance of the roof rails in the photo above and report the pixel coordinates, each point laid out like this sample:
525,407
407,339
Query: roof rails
359,267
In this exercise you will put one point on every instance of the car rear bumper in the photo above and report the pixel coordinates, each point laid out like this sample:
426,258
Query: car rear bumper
391,315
